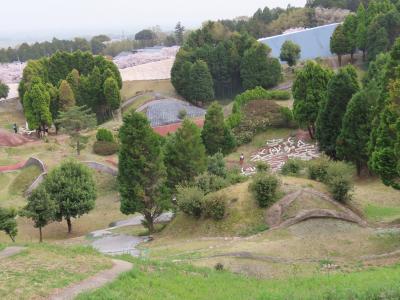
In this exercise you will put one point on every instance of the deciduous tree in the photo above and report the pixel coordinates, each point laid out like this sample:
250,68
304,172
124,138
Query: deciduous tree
8,223
40,208
290,52
66,96
72,188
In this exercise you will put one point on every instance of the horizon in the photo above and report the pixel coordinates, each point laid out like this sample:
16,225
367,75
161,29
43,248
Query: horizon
46,19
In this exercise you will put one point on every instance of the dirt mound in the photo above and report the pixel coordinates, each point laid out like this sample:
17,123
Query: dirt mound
8,139
307,204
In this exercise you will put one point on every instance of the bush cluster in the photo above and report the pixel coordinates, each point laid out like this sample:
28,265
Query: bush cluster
292,167
104,135
337,175
191,201
264,188
105,148
210,183
216,165
235,176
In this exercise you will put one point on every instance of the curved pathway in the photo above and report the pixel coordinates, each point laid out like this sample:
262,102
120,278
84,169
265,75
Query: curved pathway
94,282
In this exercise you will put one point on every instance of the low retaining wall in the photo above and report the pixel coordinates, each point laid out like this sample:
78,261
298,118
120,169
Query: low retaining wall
101,167
33,161
36,183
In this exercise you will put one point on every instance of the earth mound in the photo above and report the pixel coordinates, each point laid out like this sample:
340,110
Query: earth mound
8,139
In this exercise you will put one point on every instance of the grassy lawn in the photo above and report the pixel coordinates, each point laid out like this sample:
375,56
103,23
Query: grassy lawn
10,113
379,213
132,88
41,268
137,103
152,280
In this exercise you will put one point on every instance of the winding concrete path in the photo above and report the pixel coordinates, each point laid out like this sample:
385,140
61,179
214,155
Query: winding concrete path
93,282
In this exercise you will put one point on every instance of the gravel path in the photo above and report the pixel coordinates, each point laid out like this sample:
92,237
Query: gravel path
108,242
93,282
10,251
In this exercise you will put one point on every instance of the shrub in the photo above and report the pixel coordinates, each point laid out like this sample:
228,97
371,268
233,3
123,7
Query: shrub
219,267
209,183
105,148
287,116
189,200
214,206
235,176
292,167
216,165
339,180
182,114
262,167
104,135
340,188
318,168
264,188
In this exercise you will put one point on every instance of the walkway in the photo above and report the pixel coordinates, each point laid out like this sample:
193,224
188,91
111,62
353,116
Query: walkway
10,251
93,282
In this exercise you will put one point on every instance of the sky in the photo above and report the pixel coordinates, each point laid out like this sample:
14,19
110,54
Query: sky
41,19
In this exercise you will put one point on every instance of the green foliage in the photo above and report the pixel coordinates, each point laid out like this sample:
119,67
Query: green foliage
111,93
210,183
4,89
105,148
350,30
290,52
190,200
377,40
287,115
36,103
214,206
185,156
258,69
340,44
341,88
182,114
264,188
339,180
66,96
104,135
73,121
262,167
235,176
200,83
352,142
86,76
8,222
41,209
216,135
73,189
141,171
257,93
292,167
318,168
309,88
216,165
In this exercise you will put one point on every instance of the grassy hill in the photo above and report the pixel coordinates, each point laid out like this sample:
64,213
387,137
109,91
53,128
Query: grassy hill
152,280
41,268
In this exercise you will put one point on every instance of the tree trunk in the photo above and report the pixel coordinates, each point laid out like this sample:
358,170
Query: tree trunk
69,225
340,60
12,238
310,131
78,149
149,222
363,57
352,58
40,235
359,168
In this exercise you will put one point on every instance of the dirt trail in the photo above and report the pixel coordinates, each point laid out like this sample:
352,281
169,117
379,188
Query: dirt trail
10,251
93,282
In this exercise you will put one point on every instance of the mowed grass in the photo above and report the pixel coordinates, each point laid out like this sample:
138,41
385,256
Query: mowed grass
378,213
41,268
10,113
132,88
153,280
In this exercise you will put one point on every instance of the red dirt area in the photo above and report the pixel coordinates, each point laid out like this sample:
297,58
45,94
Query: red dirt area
12,167
171,128
8,139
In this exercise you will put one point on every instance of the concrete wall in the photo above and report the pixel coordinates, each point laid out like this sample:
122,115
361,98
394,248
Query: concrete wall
100,167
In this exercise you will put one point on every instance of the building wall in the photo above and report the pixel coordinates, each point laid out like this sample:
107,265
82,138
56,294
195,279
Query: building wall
314,42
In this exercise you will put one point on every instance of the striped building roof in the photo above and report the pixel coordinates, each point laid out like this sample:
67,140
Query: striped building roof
314,42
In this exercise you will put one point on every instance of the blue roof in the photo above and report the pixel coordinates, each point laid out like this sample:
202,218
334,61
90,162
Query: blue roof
314,42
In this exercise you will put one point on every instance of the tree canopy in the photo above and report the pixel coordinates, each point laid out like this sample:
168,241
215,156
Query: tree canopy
290,52
4,89
142,175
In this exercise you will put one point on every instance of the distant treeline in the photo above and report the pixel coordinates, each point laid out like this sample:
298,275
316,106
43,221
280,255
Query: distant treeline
37,50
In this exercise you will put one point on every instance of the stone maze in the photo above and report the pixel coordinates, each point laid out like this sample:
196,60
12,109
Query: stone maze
278,151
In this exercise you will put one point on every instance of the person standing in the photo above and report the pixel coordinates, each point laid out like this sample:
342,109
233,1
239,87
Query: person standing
241,161
15,128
